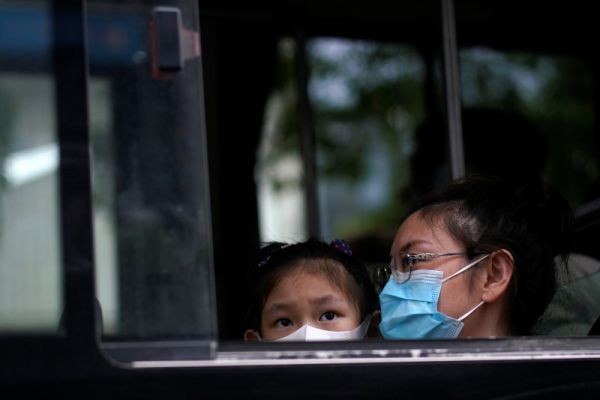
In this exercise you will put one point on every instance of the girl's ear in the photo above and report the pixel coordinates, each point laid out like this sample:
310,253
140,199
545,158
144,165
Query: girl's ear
251,336
373,331
499,271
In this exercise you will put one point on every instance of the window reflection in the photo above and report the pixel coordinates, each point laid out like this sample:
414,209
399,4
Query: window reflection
535,106
30,265
369,100
105,241
151,218
537,112
279,172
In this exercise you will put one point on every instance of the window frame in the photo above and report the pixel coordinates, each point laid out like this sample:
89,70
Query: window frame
77,337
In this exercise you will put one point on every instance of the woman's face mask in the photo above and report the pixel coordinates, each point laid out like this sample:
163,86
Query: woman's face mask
409,306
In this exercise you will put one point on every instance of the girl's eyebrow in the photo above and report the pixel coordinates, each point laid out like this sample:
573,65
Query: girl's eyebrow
328,299
275,307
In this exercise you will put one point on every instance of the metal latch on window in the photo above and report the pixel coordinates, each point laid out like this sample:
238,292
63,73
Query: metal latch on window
171,44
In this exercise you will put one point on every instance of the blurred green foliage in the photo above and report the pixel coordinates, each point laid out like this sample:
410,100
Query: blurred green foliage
368,101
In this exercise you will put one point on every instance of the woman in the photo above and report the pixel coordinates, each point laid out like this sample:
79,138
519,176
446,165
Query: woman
475,260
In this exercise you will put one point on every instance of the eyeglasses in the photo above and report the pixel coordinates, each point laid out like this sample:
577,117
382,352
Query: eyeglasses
405,263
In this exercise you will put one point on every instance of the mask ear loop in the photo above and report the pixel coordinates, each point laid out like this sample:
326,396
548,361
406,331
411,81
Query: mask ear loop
260,339
466,267
463,269
471,312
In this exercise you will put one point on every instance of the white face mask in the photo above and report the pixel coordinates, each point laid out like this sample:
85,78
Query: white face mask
308,333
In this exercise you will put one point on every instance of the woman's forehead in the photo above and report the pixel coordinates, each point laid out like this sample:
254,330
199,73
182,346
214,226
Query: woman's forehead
421,231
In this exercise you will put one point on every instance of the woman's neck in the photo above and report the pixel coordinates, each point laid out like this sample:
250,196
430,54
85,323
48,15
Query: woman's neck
490,320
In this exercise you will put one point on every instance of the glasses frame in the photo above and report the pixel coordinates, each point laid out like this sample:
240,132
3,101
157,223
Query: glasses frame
414,258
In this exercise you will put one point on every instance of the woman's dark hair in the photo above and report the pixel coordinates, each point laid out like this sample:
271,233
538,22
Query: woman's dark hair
277,259
530,220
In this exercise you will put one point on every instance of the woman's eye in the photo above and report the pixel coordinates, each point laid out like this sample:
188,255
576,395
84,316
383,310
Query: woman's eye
413,259
409,261
328,316
283,323
416,259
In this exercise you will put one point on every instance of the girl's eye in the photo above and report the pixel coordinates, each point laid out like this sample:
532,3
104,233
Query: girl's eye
283,323
328,316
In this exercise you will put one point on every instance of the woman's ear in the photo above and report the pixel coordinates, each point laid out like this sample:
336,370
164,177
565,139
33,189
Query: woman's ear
499,271
251,335
373,331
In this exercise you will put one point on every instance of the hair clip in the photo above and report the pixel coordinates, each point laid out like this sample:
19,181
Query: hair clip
341,245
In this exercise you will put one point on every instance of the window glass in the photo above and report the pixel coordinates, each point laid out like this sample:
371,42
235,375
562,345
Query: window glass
529,106
30,262
279,168
151,218
369,102
103,170
538,107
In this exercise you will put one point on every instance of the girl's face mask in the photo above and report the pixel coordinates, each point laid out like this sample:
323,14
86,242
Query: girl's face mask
409,309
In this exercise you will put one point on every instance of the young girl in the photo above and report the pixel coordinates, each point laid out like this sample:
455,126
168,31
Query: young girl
310,291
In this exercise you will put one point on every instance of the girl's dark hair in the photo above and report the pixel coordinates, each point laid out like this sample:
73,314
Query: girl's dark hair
275,259
530,220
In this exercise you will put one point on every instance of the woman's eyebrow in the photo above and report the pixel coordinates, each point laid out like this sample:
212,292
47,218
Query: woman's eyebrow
412,243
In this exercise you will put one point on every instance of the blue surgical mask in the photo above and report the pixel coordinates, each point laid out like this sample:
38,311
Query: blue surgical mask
409,309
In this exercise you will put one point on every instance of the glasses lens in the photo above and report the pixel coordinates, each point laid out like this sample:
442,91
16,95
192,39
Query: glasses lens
407,262
402,263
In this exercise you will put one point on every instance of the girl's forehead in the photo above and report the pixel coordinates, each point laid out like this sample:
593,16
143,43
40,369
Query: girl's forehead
315,270
301,284
315,266
325,272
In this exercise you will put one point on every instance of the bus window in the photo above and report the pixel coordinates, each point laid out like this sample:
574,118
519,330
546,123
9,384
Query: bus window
369,99
536,97
534,102
279,167
290,92
31,296
150,189
330,115
545,103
